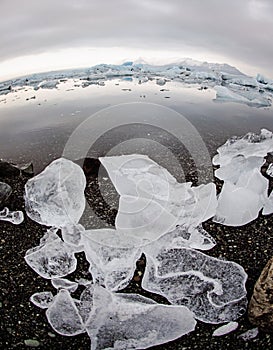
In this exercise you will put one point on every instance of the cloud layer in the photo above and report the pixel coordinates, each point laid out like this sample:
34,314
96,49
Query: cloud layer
240,30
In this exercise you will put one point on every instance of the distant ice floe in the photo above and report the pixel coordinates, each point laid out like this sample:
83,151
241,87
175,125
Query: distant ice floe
230,84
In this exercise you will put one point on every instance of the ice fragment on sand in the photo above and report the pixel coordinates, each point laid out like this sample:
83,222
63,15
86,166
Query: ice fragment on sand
5,191
64,316
52,259
213,289
250,334
55,197
63,283
42,299
15,217
183,237
120,323
250,145
152,202
71,234
241,203
110,264
225,329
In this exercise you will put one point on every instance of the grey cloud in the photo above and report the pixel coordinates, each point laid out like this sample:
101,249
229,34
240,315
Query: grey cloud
241,29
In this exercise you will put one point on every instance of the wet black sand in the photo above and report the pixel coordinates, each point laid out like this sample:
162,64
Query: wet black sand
250,246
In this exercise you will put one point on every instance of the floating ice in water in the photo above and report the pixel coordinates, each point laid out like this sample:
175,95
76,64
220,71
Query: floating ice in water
120,321
53,258
15,217
55,197
250,98
213,289
42,299
64,316
63,283
269,170
250,334
225,329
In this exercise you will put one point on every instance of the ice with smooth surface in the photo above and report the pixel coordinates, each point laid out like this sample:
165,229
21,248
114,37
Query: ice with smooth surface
213,289
110,264
15,217
241,203
42,299
250,145
63,315
244,192
63,283
225,329
120,321
55,197
72,234
53,258
152,202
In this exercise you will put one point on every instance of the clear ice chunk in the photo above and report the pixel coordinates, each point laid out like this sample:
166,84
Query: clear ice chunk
112,265
71,234
241,203
225,329
55,197
52,259
42,299
5,191
268,206
269,170
15,217
250,334
63,283
118,322
64,316
213,289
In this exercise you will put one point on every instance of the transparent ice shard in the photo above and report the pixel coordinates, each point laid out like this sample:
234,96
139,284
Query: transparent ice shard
42,299
63,315
213,289
15,217
63,283
233,170
55,197
239,204
5,191
72,233
111,264
117,322
268,206
52,259
250,334
183,237
225,329
250,145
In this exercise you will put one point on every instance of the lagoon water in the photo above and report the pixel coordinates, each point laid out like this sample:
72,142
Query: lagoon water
37,129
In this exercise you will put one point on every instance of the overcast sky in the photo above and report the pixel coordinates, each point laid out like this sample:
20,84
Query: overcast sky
39,35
